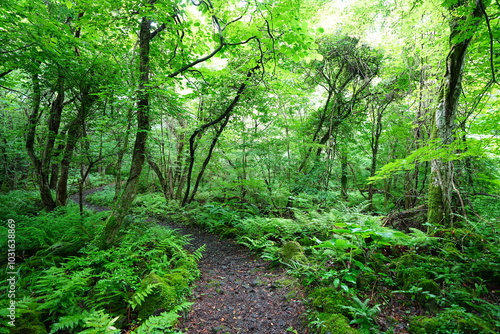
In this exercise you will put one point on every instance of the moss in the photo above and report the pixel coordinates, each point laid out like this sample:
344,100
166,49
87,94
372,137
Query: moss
409,277
454,320
163,297
427,287
430,286
329,300
292,251
436,211
462,238
29,323
335,324
423,325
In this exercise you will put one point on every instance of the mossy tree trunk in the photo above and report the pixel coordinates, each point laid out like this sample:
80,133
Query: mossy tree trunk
117,217
441,185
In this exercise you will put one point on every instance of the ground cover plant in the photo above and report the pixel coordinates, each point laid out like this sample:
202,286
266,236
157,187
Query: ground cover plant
364,277
67,284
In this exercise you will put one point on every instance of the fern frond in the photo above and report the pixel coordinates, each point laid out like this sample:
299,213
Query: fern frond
198,254
163,323
69,322
140,295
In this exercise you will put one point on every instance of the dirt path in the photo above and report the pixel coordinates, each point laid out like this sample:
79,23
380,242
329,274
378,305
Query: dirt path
237,292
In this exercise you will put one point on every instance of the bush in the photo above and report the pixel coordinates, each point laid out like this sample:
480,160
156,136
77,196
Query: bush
63,231
18,202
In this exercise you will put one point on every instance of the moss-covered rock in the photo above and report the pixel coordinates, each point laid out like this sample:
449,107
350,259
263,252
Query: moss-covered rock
463,238
28,323
180,280
329,300
454,320
411,276
292,251
428,285
163,296
335,324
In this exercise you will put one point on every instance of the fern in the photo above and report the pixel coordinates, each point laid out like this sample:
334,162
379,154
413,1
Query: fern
198,254
163,323
99,322
140,295
60,291
70,322
257,244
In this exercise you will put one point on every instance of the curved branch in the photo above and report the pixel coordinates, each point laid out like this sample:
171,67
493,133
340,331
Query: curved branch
222,116
490,33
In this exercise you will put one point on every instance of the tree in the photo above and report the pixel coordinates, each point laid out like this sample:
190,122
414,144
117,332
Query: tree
344,73
464,21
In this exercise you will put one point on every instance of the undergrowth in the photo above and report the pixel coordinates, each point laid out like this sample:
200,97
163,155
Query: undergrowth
64,284
372,278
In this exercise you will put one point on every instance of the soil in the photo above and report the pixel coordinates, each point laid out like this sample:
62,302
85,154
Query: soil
237,292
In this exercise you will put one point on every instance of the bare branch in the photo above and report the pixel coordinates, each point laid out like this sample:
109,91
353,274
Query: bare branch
481,5
157,30
5,73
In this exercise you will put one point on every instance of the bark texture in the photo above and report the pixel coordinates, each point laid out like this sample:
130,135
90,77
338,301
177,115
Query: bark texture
441,178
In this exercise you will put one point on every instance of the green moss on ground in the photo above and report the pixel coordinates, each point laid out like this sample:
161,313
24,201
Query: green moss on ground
454,320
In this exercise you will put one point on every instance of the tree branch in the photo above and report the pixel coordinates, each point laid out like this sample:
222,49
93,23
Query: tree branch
490,33
5,73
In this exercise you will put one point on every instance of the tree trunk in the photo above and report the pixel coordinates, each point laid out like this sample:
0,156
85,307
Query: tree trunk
222,117
43,164
441,178
208,158
73,135
343,178
115,221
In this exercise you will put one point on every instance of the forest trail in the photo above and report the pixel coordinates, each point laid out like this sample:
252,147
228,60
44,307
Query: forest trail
237,293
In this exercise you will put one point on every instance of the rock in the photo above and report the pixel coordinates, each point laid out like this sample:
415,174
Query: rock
292,251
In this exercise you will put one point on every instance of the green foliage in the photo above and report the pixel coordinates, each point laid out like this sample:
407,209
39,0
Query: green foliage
149,270
163,323
152,204
61,291
103,197
453,320
332,323
61,232
140,294
93,322
27,322
363,314
17,202
329,300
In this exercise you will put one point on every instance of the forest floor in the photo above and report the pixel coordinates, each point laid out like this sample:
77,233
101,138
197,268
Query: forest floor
237,292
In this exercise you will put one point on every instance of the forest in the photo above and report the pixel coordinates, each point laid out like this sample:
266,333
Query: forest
353,146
